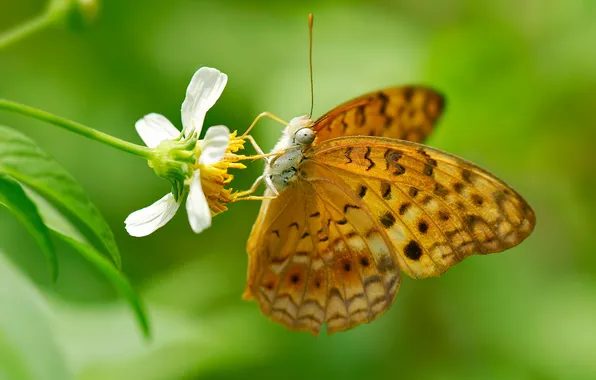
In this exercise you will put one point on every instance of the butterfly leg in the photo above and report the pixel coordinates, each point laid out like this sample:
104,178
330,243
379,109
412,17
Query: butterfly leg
254,198
254,144
252,189
264,156
263,114
245,195
269,183
260,154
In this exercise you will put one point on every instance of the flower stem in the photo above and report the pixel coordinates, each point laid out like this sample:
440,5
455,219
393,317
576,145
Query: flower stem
78,128
27,28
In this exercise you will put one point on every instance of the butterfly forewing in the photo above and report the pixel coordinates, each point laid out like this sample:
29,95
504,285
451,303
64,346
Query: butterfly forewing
407,113
436,209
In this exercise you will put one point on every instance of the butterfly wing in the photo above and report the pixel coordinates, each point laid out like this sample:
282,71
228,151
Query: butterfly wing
434,208
310,266
406,113
329,249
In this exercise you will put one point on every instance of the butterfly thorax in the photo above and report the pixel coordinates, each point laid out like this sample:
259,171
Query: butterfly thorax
295,139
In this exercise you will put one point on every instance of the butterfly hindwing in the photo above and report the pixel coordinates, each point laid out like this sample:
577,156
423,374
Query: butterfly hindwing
312,264
363,277
436,209
407,113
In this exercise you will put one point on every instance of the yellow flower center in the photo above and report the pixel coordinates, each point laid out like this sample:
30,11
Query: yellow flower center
215,177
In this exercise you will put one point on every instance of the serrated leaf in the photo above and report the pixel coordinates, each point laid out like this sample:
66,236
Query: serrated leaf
14,199
23,160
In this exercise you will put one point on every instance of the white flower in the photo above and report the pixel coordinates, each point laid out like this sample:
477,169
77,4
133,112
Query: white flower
204,89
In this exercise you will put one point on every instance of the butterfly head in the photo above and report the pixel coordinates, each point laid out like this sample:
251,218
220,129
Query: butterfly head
304,136
300,130
281,170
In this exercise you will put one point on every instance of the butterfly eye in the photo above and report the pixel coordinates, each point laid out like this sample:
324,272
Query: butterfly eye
304,136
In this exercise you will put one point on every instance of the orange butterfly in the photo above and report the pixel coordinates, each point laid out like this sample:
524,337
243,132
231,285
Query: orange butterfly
359,201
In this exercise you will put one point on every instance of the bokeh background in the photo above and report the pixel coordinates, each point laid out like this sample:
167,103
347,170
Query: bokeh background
520,81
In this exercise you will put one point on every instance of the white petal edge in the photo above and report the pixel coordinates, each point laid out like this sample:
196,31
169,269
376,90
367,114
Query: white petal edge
204,89
199,215
146,220
214,145
155,128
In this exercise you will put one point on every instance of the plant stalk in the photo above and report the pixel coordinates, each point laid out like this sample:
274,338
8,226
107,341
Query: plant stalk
77,128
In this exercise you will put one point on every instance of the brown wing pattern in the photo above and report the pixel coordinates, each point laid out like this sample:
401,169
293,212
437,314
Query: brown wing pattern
329,249
406,113
312,264
435,208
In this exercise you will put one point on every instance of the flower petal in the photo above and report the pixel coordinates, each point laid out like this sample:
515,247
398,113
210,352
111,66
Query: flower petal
199,215
214,145
146,220
155,128
204,89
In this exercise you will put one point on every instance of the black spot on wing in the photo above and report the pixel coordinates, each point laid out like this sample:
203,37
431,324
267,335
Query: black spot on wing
386,190
371,163
428,169
404,208
348,206
387,220
362,191
347,153
384,100
412,250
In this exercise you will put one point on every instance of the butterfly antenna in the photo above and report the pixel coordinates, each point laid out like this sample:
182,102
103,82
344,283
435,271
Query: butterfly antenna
312,90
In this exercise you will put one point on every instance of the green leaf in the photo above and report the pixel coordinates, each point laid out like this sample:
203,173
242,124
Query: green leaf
66,231
115,277
23,160
49,189
14,198
28,345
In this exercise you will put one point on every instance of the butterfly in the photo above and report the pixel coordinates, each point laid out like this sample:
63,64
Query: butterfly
358,200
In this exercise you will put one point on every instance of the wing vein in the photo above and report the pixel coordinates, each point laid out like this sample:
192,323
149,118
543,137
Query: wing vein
342,236
354,227
459,196
403,222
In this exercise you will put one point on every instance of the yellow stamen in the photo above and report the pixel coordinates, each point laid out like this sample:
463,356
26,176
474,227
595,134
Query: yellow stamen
215,177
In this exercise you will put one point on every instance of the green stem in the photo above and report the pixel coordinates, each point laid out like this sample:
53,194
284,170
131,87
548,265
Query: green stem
27,28
78,128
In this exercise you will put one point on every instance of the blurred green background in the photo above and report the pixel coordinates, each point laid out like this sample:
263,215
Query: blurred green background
520,81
